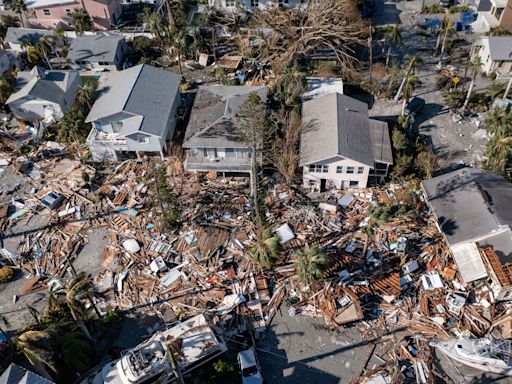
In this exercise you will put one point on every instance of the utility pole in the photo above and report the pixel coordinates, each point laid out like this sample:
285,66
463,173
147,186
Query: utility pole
370,51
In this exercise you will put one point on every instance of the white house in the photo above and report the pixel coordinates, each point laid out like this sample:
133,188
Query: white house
341,146
230,6
495,53
43,96
473,212
135,112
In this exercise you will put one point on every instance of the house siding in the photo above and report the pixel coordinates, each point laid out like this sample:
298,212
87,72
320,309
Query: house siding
334,179
154,144
171,122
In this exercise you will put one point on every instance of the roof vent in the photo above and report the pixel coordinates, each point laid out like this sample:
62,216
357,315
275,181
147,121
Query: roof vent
352,110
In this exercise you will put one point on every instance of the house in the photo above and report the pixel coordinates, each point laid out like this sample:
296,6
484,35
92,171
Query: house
53,14
495,54
493,14
473,211
135,112
15,37
230,6
15,374
213,138
99,52
341,146
43,96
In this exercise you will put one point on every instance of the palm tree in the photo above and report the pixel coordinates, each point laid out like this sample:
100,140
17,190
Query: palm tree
37,348
499,153
395,38
178,45
7,21
310,264
446,30
410,85
498,120
413,63
290,85
81,21
45,47
72,127
6,87
85,95
476,66
20,8
267,249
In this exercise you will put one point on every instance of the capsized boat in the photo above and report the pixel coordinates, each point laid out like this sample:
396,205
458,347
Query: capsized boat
486,355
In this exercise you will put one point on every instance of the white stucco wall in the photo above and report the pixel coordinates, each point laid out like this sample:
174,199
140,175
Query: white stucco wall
335,178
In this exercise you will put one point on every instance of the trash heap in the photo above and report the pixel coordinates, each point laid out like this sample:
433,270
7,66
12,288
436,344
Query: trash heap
389,267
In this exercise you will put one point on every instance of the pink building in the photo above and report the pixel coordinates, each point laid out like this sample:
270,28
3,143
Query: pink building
52,14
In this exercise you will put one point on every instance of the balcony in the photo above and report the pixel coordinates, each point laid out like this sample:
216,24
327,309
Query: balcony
110,140
219,164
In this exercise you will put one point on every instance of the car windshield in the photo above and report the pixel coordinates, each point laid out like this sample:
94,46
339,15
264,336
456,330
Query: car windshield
250,371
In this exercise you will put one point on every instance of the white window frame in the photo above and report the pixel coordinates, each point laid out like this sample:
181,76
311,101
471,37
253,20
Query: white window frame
255,3
47,12
350,170
360,170
339,169
142,139
318,168
69,12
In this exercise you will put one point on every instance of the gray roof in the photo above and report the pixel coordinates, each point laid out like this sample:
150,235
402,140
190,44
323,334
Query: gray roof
94,48
17,35
14,374
469,203
379,132
141,90
500,47
45,85
335,125
212,121
502,245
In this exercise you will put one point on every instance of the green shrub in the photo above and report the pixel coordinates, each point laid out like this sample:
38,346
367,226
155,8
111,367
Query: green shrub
492,75
6,275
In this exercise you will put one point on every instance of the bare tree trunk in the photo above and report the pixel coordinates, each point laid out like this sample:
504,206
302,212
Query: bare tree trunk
470,90
508,88
388,55
443,48
404,103
370,47
438,42
404,80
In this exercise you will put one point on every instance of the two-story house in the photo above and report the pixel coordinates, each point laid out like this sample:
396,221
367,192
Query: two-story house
53,14
341,147
473,212
43,96
230,6
493,14
136,111
213,137
494,53
98,52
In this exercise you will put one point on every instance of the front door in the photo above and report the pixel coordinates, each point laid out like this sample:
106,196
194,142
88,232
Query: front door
322,185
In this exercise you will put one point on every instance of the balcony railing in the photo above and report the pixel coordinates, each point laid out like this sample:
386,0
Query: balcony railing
108,140
225,164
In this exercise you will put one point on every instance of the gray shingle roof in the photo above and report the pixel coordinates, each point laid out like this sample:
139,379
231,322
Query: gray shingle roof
469,203
381,143
335,125
212,121
17,35
14,374
50,85
500,47
141,90
94,48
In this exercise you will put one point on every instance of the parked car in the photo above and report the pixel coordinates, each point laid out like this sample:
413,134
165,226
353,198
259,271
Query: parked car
414,106
249,367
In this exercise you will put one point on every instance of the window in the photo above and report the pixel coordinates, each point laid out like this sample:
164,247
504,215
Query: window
319,168
360,170
354,183
230,3
142,139
339,169
46,12
230,152
350,169
103,63
69,12
116,126
205,152
255,3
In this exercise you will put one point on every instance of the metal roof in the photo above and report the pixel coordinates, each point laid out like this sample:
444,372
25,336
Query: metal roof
379,132
212,122
17,35
500,47
94,48
470,203
142,90
335,125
